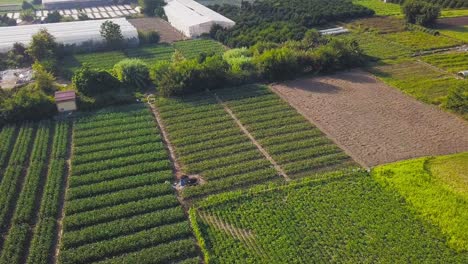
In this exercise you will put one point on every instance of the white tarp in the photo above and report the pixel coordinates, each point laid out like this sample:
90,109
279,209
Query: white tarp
192,18
68,33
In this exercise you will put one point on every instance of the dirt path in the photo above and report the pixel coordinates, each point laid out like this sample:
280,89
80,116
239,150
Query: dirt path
373,122
254,141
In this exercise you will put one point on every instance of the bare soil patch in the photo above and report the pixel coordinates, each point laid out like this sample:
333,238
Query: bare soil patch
372,122
168,33
452,22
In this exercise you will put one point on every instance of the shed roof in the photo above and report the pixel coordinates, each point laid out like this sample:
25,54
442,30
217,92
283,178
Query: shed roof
193,13
68,33
65,96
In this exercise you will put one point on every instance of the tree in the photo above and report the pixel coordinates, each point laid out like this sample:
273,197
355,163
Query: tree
112,33
277,64
152,7
457,98
44,80
43,46
420,12
53,17
133,73
93,82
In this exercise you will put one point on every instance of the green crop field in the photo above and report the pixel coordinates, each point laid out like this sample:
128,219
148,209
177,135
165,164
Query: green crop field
460,32
209,142
347,220
33,163
380,8
419,41
454,13
120,206
452,62
421,81
435,187
149,54
374,45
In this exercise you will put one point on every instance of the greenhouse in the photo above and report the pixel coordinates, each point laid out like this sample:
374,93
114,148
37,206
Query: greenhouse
192,18
67,33
72,3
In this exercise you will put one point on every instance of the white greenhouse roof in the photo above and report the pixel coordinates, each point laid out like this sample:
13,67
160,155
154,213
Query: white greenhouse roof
49,3
67,33
193,18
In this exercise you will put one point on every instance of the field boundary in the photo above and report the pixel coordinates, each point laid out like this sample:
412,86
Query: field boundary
65,186
326,132
254,141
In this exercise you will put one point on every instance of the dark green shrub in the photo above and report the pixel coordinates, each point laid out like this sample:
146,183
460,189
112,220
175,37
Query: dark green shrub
133,73
151,37
420,12
93,82
457,99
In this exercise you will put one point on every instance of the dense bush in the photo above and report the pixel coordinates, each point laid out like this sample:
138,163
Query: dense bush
278,21
151,7
94,81
43,48
53,17
5,21
133,73
420,12
278,64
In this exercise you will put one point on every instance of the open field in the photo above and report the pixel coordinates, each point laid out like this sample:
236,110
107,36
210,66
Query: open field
167,33
452,62
454,27
209,142
454,13
379,48
423,82
148,53
437,189
420,41
349,219
375,123
380,8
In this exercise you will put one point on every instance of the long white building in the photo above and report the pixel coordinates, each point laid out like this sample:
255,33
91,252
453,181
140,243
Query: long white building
68,33
192,18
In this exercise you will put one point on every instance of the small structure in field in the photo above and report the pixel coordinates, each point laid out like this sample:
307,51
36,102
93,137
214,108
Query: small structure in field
334,31
463,74
194,19
66,101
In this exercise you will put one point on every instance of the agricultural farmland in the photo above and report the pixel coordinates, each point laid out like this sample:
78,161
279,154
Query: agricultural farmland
451,62
348,219
149,54
32,186
263,140
120,206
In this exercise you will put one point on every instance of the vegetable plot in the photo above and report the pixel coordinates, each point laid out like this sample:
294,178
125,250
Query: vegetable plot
294,143
120,205
209,143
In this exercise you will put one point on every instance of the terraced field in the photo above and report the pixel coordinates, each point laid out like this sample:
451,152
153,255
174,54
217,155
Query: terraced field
31,189
270,141
451,62
120,206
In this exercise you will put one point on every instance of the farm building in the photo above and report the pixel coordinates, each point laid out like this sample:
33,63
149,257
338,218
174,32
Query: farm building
66,101
67,33
192,18
50,4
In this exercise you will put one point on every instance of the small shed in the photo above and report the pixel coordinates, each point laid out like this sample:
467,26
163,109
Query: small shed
463,74
66,101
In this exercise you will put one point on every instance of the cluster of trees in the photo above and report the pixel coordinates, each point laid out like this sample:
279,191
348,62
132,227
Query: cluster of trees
420,12
442,3
457,99
152,7
279,21
5,21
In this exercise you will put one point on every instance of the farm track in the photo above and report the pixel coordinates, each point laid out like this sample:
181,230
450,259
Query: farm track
254,141
61,216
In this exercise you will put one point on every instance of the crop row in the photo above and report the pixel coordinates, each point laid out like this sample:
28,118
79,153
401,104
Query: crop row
111,129
45,230
110,146
299,152
6,141
114,136
113,122
12,176
121,227
208,142
452,62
